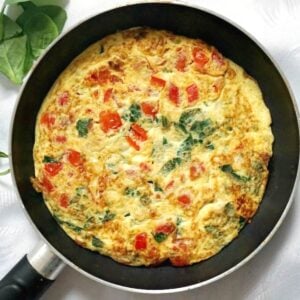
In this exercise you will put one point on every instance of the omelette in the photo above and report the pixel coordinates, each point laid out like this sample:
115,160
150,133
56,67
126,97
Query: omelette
152,146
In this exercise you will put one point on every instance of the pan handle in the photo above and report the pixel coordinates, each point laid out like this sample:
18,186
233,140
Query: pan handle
32,275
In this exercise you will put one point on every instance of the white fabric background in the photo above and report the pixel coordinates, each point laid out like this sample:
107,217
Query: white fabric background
275,272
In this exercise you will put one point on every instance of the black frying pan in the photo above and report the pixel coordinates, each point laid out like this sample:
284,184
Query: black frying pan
234,44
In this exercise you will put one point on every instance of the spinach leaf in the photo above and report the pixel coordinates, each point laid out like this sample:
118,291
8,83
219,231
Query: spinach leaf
3,155
213,230
164,122
67,223
40,29
157,187
134,113
49,159
185,147
56,13
10,28
108,216
188,116
242,222
97,242
160,236
131,192
171,164
164,141
82,126
179,220
9,2
127,214
12,58
229,170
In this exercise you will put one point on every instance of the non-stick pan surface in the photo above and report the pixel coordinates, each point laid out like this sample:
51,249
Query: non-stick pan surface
234,44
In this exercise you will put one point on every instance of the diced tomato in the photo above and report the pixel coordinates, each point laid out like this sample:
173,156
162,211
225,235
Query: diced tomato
110,120
48,119
141,241
149,109
47,185
139,132
184,199
218,58
107,95
166,228
179,261
61,139
200,57
170,184
181,62
157,81
132,143
64,201
63,98
53,168
145,167
192,92
74,158
174,94
102,76
196,169
114,79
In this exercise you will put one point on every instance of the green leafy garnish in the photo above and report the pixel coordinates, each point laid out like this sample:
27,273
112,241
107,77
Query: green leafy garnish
179,220
164,141
171,164
82,127
131,192
67,223
108,216
229,209
160,236
97,242
213,230
188,116
164,122
157,187
24,40
133,114
5,172
185,147
127,214
49,159
229,170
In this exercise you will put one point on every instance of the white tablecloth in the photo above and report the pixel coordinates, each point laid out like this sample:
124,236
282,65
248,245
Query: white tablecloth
275,272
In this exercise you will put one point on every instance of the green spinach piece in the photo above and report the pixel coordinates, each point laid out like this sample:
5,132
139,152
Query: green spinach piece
213,230
127,214
67,223
131,192
40,29
160,237
202,128
242,222
12,58
97,242
9,29
108,216
188,116
171,164
157,187
229,170
133,114
164,122
185,147
164,141
49,159
82,126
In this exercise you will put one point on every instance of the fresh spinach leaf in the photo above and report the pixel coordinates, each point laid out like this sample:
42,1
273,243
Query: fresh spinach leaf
56,13
12,57
188,116
82,126
97,242
165,122
3,155
132,192
171,164
164,141
10,28
40,29
229,170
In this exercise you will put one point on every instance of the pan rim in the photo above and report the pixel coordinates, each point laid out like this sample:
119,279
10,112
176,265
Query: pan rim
243,261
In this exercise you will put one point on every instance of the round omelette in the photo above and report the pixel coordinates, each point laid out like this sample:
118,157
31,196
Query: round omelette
152,146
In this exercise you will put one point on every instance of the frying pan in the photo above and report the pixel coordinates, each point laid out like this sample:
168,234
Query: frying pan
36,271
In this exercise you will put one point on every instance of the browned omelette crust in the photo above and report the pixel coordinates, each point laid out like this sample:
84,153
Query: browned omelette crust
152,146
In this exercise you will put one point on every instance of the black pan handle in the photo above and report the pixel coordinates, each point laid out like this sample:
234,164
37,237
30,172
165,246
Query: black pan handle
31,276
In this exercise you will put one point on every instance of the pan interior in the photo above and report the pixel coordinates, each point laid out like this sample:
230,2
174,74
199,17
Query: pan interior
232,43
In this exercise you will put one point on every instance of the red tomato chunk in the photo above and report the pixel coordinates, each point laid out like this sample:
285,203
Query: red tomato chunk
110,121
141,241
